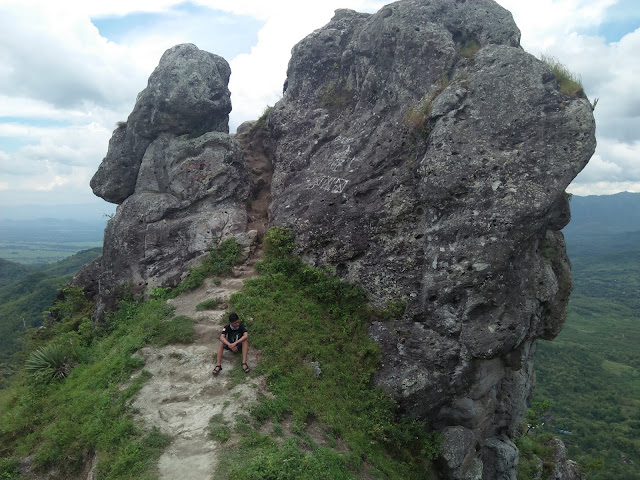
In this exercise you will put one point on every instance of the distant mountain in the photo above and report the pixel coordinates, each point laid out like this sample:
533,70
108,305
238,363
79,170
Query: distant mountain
590,372
86,212
603,224
608,214
12,271
53,230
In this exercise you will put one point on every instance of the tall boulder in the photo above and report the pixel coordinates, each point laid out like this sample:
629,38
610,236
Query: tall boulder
187,94
179,178
423,154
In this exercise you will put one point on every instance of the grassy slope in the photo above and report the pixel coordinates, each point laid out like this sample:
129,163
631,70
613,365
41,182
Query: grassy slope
297,314
23,301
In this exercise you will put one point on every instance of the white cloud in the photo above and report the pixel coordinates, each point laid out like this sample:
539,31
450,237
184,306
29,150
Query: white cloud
63,86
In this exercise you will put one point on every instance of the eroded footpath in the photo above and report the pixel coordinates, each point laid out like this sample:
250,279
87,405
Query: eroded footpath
183,395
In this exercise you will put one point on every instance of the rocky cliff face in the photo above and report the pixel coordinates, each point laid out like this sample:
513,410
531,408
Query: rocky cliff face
179,179
423,154
418,151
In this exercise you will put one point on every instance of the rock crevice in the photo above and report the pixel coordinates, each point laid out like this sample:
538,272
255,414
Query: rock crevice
422,154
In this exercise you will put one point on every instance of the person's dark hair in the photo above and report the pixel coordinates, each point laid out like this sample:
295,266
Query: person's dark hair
233,317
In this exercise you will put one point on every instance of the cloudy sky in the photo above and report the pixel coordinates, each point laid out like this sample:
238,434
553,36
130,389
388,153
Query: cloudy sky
71,69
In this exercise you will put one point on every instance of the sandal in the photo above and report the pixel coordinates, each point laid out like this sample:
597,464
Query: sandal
216,370
246,368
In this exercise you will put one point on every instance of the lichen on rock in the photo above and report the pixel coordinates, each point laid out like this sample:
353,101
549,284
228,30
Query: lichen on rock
453,216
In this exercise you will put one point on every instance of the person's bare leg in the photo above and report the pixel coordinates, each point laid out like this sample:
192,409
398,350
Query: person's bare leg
245,352
219,360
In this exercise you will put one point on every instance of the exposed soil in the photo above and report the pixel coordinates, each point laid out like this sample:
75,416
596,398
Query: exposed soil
183,395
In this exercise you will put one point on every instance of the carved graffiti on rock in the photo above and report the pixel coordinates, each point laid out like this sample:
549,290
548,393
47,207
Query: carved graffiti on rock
329,184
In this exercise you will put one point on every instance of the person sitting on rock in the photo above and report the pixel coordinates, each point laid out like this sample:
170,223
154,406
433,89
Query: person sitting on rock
233,337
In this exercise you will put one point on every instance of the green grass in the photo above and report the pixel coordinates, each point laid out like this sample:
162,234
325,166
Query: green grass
61,422
469,49
300,315
220,261
568,82
261,123
210,304
296,314
218,428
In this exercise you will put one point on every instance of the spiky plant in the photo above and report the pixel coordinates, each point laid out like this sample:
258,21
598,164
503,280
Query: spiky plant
50,362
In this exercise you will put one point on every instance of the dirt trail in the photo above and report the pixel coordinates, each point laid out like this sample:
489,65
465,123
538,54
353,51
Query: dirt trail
182,395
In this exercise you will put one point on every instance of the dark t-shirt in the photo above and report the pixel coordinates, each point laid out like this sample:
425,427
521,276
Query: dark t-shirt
233,335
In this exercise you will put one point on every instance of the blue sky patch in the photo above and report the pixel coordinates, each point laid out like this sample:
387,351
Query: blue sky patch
622,18
224,33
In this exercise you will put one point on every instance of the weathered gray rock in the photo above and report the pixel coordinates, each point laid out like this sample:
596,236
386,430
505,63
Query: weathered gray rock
563,468
458,458
181,180
422,153
500,459
187,94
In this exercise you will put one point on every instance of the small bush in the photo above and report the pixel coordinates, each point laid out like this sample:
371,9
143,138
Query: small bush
49,362
568,83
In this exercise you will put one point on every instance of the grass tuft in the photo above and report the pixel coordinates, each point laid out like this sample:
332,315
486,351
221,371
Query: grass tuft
417,117
210,304
261,123
568,83
220,261
469,49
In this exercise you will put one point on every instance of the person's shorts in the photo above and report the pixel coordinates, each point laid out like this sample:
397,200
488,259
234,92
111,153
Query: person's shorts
227,348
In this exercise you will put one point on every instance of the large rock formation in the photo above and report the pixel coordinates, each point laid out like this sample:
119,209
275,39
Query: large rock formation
180,180
419,151
422,153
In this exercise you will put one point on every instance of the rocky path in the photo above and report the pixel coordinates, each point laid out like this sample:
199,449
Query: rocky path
182,395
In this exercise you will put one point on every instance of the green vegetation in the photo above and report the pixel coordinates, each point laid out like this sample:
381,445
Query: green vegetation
417,117
89,408
300,315
469,49
218,428
27,293
336,96
568,83
535,457
220,261
591,371
210,304
297,315
262,121
49,362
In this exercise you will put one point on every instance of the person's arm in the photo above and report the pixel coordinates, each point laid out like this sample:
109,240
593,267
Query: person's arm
223,339
244,336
